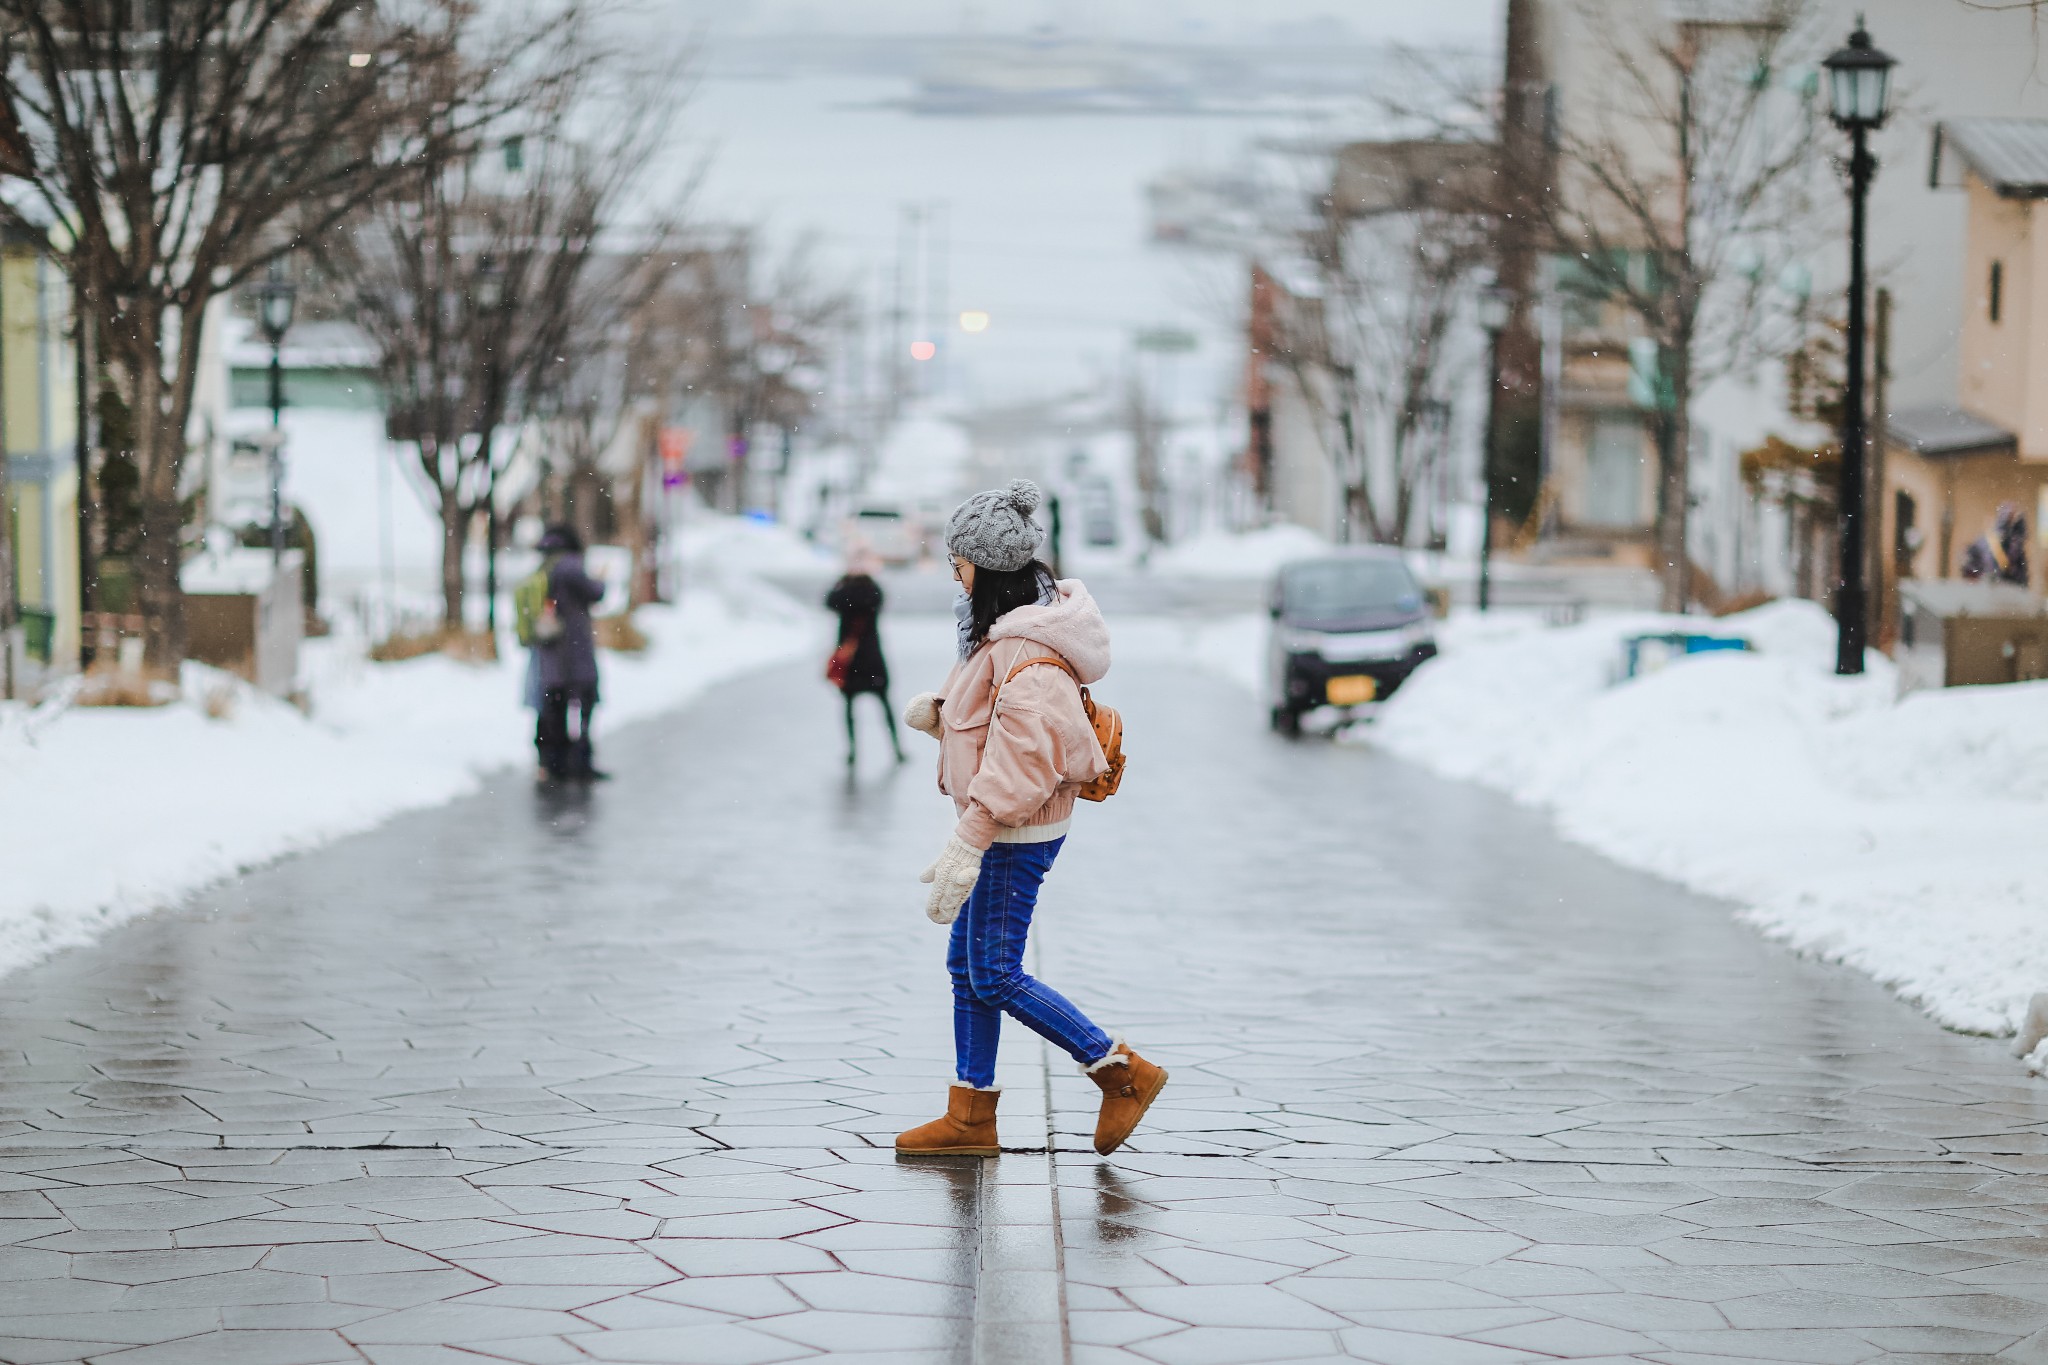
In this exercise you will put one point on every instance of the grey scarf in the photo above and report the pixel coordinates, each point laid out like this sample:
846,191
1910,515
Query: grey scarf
963,622
963,615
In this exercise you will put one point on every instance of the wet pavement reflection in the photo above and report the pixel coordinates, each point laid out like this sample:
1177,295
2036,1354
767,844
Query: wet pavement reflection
612,1074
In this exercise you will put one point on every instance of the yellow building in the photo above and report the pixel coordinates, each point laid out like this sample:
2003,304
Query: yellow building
1949,467
38,429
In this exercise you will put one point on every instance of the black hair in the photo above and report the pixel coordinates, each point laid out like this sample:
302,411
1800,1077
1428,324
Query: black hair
561,538
997,592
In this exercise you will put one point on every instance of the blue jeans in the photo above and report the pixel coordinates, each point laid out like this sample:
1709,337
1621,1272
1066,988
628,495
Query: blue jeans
986,959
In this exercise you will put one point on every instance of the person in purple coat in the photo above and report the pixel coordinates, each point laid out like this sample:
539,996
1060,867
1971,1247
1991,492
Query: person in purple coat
567,663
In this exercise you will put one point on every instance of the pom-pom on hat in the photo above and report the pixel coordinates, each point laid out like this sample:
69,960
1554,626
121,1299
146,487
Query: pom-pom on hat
994,530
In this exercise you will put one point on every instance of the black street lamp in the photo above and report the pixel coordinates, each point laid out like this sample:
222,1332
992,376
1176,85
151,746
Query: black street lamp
1496,303
275,301
1859,80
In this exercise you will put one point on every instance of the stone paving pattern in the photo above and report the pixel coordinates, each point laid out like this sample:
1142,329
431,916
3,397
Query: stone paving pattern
551,1079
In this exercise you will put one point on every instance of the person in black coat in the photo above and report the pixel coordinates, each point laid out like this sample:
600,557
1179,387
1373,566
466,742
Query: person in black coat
567,663
857,600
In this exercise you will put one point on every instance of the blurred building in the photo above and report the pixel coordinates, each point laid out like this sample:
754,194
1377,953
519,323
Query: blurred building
1761,455
39,429
1949,466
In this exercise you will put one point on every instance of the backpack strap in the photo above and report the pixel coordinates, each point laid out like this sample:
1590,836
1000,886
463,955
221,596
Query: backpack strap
1061,664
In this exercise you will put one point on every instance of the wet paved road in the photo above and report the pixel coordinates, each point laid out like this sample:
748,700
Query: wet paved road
543,1080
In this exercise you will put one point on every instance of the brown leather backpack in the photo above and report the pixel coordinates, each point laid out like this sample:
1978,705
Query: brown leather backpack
1109,730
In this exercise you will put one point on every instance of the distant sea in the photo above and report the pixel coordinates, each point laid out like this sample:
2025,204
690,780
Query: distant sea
1039,220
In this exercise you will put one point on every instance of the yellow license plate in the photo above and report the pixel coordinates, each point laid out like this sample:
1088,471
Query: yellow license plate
1354,690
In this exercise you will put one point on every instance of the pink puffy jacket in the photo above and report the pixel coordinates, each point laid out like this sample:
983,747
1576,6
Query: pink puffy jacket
1011,764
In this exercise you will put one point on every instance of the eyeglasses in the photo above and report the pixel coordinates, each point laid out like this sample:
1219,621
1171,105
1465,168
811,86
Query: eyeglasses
956,562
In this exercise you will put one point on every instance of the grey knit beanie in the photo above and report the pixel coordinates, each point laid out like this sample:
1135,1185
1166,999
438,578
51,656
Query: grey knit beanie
993,530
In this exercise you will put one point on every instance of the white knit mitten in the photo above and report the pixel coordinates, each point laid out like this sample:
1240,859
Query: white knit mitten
923,713
951,876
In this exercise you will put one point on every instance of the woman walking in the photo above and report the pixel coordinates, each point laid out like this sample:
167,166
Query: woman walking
1014,747
857,600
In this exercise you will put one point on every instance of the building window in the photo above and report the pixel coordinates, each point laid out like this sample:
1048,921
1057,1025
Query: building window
1905,535
515,156
1997,296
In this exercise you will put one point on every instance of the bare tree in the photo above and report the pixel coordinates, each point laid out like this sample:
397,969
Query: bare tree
1372,349
759,342
1685,178
756,341
587,397
473,278
178,148
1147,427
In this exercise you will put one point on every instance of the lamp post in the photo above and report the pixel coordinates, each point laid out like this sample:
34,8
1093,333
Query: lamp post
1859,80
1495,304
275,300
490,298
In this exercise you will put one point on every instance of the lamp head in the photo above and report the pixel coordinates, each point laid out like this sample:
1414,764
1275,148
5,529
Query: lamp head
1859,82
276,299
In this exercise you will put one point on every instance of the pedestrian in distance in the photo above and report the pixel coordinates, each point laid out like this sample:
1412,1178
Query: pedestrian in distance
552,608
1019,741
857,666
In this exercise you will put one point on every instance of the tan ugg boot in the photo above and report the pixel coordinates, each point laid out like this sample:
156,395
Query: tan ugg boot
968,1129
1129,1085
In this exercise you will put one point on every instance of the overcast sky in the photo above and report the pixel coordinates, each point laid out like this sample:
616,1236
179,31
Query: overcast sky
1403,21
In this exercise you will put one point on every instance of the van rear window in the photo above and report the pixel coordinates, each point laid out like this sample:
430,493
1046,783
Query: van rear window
1328,590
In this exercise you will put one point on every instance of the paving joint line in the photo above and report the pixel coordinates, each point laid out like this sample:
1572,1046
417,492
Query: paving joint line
1020,1281
1052,1185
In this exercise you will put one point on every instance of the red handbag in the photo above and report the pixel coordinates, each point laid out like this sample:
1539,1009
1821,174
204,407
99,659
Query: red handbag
840,664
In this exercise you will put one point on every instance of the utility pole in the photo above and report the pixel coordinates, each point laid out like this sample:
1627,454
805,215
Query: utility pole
1496,307
88,439
909,228
937,249
1877,573
9,609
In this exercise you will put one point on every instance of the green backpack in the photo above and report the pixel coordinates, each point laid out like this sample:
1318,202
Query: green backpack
533,611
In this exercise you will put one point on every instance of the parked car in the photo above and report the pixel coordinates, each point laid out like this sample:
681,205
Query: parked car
1348,629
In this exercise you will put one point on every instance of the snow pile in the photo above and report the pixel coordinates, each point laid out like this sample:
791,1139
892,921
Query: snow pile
1240,554
111,813
1898,837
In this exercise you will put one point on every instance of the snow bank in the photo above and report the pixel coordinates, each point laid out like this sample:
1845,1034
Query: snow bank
1247,554
106,814
1898,837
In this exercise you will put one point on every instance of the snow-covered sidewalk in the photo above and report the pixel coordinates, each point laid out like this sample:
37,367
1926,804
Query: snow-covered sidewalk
108,813
1901,837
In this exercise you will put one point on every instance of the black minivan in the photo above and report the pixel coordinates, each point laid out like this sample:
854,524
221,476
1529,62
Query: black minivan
1348,628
